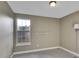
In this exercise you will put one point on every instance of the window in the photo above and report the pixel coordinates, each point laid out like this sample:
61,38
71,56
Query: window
23,31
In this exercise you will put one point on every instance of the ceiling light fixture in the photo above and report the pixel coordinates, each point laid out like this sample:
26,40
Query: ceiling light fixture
52,3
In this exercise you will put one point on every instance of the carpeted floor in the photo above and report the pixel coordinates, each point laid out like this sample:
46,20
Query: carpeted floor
55,53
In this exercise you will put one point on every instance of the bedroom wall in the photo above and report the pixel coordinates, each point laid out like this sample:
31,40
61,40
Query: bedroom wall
45,33
68,34
6,30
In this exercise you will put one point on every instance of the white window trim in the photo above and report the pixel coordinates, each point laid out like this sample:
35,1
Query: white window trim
24,43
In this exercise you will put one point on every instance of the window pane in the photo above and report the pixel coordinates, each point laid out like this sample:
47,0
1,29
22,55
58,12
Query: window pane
23,30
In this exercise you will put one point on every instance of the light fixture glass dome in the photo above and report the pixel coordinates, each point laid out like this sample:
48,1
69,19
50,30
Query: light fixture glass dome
52,3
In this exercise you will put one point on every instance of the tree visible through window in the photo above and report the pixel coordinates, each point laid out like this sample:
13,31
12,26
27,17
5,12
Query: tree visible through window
23,30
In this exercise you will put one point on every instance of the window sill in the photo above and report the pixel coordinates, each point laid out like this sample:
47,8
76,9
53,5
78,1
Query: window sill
23,44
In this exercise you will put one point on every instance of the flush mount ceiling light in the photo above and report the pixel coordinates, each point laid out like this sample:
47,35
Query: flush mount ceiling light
52,3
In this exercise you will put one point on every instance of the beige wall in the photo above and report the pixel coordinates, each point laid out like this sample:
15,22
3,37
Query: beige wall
51,32
45,33
6,30
68,34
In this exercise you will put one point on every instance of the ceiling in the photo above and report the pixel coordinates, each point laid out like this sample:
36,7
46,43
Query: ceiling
42,8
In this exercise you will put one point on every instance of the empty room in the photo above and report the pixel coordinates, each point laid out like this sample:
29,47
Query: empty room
39,29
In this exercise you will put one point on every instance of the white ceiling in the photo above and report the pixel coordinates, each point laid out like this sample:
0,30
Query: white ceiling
42,8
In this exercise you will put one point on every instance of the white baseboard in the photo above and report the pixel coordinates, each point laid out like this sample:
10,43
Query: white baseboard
11,55
36,50
76,54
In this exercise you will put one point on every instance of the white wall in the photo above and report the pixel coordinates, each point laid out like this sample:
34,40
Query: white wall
6,30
